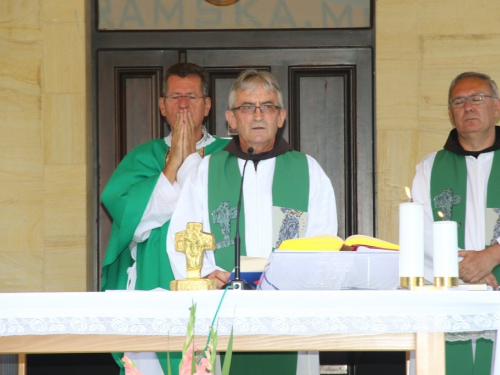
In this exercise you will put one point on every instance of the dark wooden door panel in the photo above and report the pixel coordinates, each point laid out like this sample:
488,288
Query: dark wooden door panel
138,118
320,122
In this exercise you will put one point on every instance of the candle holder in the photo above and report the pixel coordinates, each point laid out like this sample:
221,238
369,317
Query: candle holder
445,282
411,282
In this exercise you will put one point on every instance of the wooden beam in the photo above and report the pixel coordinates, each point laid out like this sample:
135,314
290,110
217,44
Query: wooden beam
21,364
117,343
430,354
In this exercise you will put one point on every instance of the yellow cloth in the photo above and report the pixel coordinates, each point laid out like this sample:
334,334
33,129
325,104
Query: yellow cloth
334,243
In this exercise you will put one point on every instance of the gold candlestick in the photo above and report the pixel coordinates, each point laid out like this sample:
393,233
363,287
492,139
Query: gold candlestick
411,282
445,282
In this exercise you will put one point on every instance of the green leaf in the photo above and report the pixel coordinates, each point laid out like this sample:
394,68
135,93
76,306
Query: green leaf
212,348
169,367
229,355
190,330
193,362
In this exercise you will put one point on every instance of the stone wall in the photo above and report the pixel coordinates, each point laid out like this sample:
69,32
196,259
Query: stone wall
44,133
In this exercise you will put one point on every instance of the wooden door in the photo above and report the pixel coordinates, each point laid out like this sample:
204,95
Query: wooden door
327,93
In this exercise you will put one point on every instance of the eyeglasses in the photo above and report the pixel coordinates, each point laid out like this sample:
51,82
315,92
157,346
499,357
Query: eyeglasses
265,109
475,99
176,97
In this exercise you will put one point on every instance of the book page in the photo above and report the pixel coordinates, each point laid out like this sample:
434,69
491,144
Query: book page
252,264
363,249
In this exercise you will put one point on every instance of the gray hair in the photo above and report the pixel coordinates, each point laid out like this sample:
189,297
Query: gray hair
251,79
482,76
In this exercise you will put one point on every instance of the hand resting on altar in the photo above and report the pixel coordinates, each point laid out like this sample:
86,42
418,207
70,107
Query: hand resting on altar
220,276
476,266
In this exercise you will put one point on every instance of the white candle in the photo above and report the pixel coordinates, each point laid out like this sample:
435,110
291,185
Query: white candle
411,240
445,247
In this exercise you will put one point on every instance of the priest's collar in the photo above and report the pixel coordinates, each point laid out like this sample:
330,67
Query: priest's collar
452,144
280,147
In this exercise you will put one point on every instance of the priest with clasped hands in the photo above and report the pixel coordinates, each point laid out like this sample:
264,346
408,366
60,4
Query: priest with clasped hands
286,194
142,194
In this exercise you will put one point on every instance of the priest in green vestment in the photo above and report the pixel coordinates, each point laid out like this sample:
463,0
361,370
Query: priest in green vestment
142,195
286,194
463,182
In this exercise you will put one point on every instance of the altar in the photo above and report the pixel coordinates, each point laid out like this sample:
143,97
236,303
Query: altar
399,320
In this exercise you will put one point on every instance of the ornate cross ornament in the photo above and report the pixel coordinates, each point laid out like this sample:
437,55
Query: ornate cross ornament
193,242
223,216
445,202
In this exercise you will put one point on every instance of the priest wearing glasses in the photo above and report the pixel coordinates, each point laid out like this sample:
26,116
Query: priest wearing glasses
142,194
463,182
286,194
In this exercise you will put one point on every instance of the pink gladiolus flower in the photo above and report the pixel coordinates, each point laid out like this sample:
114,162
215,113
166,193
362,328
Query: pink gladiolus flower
185,367
200,370
206,364
129,366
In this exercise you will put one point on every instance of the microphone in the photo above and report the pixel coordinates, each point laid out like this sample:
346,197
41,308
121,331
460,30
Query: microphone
237,283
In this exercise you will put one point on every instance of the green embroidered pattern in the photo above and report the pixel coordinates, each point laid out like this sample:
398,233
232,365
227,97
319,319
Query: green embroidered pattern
223,216
445,202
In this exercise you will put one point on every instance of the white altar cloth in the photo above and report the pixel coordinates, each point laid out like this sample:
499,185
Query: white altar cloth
332,270
250,312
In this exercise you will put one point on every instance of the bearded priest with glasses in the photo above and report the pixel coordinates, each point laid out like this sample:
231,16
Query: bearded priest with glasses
463,182
286,194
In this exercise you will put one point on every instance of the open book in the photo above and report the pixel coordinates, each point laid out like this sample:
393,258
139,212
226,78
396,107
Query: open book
334,243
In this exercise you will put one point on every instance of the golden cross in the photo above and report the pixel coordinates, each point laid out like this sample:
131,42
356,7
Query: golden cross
193,242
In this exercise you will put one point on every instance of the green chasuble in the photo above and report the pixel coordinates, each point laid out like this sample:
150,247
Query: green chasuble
289,204
125,197
449,195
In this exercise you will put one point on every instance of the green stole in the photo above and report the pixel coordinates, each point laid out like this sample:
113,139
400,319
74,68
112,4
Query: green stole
449,195
449,191
224,181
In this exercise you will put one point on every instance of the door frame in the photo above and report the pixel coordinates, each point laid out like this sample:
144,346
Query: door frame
216,39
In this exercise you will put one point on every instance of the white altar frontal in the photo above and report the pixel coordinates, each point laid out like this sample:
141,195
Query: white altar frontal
398,320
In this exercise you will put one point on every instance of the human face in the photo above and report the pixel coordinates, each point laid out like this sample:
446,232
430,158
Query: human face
257,130
474,121
199,108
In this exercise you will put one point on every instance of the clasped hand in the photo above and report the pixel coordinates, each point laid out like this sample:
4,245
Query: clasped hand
476,266
183,143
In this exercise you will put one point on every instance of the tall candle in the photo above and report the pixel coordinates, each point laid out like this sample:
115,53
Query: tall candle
411,240
445,247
